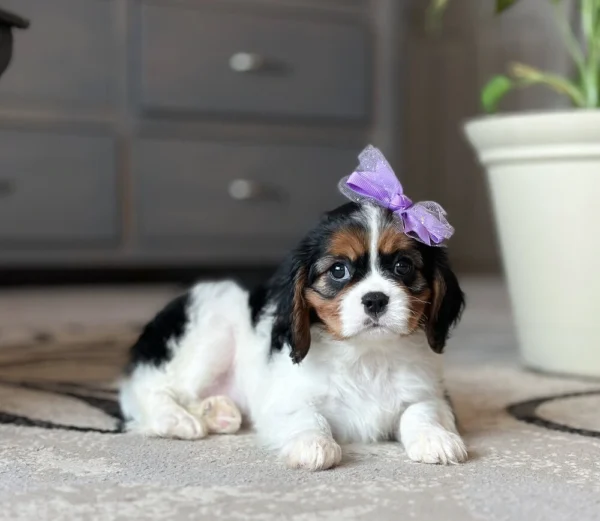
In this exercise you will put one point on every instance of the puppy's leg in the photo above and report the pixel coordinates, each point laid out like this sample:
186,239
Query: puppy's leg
164,401
179,357
150,407
304,439
219,413
428,433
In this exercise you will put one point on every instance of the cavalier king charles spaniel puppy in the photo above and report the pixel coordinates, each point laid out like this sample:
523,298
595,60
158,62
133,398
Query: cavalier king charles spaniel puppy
341,345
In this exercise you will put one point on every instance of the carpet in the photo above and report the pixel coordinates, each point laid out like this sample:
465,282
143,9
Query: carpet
534,443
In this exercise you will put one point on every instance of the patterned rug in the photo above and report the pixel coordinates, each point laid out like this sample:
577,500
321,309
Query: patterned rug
534,444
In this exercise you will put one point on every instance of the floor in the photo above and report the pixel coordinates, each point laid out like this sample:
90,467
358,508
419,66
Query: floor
534,440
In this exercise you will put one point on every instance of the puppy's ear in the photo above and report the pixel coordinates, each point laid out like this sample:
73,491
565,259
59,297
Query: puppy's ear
447,303
292,316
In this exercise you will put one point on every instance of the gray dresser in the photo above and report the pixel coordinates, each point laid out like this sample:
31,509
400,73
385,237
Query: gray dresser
146,132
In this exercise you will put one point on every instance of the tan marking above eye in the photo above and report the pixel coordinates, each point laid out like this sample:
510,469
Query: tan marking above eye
392,240
350,243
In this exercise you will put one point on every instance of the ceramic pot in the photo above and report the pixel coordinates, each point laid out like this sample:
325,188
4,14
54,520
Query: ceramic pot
543,171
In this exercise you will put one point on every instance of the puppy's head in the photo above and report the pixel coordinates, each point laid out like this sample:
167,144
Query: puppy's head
358,274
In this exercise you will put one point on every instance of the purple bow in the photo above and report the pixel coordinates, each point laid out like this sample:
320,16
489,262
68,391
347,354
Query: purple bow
375,180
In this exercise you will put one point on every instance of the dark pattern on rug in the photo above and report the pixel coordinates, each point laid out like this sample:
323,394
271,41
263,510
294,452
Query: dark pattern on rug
106,405
37,364
527,412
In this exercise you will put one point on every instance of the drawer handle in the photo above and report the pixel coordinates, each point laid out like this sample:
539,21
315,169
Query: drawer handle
7,187
245,190
245,62
248,190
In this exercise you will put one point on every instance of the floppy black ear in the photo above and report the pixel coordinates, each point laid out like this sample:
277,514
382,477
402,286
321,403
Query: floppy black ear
292,315
447,302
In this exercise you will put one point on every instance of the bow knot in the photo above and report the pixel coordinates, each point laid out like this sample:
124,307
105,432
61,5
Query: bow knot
399,201
374,180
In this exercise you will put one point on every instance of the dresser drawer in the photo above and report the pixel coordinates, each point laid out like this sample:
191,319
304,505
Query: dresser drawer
232,192
56,190
195,59
67,57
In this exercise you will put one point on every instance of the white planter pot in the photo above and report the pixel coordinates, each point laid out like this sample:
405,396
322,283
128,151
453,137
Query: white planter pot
544,177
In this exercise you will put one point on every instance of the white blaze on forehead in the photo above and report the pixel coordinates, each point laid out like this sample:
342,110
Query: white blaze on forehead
373,214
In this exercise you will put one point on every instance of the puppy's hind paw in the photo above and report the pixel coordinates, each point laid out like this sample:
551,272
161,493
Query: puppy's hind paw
219,413
180,425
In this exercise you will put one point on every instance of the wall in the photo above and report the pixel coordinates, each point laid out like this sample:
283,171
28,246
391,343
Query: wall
444,75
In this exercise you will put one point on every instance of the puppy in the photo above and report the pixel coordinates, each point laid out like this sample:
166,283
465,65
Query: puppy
341,345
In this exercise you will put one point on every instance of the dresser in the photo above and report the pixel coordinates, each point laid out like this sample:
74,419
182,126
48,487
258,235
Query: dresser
187,132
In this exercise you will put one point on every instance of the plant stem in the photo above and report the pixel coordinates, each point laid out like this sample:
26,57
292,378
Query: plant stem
589,25
525,75
570,40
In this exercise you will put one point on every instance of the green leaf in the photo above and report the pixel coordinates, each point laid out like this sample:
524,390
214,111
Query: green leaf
438,6
435,13
494,91
503,5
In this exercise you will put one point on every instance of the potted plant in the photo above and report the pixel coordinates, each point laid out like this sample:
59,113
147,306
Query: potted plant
543,171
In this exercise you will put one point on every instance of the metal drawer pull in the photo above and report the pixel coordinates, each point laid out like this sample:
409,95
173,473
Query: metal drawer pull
248,190
244,190
246,62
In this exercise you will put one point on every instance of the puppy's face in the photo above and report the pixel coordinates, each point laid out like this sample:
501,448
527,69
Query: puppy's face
358,274
368,279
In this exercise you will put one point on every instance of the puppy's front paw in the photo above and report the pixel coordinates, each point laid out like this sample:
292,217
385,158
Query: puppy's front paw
312,452
437,445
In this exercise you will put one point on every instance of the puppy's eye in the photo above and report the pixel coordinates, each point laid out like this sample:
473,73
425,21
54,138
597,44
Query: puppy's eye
403,267
339,271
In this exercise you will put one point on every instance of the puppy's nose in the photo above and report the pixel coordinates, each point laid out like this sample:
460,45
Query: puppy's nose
375,303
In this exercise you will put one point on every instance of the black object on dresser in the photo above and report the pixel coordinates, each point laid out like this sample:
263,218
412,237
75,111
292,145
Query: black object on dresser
7,22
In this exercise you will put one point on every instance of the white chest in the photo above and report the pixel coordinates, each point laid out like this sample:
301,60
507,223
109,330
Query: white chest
363,398
362,405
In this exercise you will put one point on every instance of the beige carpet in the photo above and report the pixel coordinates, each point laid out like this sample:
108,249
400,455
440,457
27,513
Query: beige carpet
535,445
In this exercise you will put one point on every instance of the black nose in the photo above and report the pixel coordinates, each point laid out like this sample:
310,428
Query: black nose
375,303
